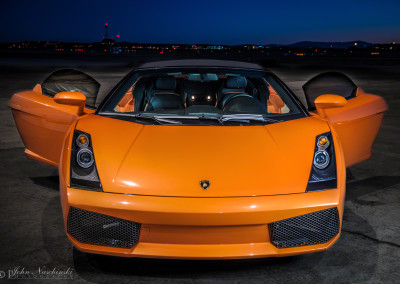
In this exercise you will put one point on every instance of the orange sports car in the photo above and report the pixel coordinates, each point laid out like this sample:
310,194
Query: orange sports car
199,158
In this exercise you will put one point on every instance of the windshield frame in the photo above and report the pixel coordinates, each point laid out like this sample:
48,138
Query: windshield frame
134,76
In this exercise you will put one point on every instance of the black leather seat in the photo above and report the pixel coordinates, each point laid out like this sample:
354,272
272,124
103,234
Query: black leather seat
164,95
234,85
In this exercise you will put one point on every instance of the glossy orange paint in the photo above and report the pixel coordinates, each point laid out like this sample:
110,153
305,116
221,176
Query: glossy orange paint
142,164
329,101
42,122
204,228
73,99
357,124
182,226
150,174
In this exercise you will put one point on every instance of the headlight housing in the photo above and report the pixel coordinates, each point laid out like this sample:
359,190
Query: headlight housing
323,170
83,166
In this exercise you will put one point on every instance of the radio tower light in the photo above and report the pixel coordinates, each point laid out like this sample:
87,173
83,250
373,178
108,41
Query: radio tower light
106,33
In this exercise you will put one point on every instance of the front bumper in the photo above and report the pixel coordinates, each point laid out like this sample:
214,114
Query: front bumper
205,228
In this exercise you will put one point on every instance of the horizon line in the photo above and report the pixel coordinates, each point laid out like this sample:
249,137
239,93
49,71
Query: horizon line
221,44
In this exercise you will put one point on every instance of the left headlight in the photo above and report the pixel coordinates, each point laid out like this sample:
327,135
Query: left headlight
323,170
83,166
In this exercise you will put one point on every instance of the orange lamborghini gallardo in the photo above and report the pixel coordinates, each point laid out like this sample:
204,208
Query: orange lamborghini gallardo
199,158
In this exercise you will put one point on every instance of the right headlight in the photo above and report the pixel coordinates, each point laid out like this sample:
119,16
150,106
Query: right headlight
323,170
83,166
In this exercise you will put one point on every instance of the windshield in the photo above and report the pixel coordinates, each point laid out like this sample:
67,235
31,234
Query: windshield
201,96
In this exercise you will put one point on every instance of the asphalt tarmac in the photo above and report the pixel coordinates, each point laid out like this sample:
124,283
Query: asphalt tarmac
31,226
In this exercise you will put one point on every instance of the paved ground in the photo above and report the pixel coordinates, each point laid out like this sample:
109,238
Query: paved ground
31,228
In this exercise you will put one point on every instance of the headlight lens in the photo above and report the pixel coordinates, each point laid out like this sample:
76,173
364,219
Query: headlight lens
85,159
323,170
83,166
321,159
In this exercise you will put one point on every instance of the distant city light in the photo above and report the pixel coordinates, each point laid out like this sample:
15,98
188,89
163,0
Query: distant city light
109,45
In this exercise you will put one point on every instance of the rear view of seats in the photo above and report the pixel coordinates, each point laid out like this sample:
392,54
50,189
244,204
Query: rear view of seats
235,99
235,94
163,95
234,85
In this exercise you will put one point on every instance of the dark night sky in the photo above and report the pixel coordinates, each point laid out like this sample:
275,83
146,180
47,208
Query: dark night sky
217,22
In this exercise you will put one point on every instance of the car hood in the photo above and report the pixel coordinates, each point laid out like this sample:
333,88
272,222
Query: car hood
168,160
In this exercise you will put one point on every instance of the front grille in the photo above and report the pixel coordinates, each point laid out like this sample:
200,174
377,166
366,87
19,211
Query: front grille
310,229
97,229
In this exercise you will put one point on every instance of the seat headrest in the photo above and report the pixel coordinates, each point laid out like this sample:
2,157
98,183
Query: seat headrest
165,83
237,82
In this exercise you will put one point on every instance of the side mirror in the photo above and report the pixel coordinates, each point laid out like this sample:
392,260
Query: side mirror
73,99
328,101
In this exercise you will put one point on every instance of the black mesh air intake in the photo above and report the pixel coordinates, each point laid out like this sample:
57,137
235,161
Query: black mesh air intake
310,229
97,229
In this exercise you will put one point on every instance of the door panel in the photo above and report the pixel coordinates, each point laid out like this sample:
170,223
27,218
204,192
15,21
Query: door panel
357,125
72,80
42,124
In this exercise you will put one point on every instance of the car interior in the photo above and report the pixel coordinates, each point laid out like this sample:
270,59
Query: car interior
202,93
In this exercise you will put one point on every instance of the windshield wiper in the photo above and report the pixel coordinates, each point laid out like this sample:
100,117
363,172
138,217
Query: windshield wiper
178,119
247,118
159,118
